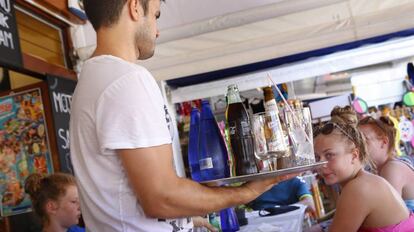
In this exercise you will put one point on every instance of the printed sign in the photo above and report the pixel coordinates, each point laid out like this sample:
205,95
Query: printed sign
9,39
24,148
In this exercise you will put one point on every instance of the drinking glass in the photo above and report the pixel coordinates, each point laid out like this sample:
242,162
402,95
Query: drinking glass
307,124
299,124
269,143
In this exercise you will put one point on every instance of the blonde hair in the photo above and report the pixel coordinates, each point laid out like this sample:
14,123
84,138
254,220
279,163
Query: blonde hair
347,119
344,115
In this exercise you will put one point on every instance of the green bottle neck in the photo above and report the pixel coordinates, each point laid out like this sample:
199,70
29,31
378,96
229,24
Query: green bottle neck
233,97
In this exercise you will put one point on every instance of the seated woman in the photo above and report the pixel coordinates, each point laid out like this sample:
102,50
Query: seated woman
380,135
367,202
55,200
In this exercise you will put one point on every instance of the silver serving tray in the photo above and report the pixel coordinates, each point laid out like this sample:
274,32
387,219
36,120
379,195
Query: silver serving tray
262,175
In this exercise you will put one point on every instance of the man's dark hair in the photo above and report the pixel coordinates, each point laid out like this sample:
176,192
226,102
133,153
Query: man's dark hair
106,12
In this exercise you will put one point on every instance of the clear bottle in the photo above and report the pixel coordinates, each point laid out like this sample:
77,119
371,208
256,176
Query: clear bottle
193,156
212,149
298,109
270,104
273,128
284,124
241,139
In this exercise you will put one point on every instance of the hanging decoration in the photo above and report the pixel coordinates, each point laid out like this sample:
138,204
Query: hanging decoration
360,106
406,129
408,98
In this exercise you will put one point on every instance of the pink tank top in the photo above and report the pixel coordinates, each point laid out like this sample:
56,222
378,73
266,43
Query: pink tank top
404,226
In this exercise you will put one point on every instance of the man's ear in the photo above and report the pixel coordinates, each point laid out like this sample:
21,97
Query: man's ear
51,207
135,9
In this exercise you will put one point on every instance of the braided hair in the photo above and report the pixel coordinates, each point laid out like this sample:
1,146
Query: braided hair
347,119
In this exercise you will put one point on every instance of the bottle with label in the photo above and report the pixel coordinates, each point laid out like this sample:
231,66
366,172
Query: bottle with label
193,156
241,139
284,124
212,149
275,139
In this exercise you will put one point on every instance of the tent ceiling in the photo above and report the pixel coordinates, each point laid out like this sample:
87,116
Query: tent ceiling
397,50
199,36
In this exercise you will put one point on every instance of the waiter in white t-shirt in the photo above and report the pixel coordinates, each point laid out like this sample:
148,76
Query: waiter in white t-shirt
120,140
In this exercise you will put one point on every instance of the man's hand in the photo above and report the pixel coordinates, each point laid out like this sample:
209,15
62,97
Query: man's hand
258,187
202,222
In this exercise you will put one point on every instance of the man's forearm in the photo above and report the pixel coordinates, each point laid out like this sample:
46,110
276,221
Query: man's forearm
162,194
194,199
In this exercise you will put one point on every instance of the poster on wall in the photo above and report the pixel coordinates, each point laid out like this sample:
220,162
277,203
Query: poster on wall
60,92
24,147
9,39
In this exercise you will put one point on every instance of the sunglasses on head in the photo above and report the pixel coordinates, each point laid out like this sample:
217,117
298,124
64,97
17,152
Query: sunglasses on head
329,127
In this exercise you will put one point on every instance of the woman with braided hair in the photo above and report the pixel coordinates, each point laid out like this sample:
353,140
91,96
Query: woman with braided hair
398,171
367,202
55,201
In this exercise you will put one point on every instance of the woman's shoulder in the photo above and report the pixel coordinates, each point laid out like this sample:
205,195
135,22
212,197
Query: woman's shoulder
397,166
365,183
396,171
357,194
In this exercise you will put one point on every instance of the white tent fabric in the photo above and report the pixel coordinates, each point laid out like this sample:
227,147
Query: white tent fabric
199,36
295,27
399,50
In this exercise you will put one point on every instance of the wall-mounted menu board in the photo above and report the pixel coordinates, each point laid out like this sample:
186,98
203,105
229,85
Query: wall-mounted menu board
24,147
9,39
60,92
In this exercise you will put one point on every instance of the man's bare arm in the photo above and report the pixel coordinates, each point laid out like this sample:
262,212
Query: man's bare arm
162,194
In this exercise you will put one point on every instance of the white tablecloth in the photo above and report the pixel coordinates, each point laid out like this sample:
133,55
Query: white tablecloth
287,222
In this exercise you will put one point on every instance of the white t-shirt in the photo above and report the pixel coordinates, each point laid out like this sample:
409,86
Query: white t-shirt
116,105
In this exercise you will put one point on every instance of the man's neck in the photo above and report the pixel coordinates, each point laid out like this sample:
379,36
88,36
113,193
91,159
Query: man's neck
111,42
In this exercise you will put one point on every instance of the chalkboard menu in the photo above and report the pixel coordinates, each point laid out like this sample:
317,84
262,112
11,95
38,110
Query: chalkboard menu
60,92
9,39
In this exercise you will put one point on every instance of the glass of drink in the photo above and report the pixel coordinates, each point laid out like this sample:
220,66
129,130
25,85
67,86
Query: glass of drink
269,143
308,147
299,123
